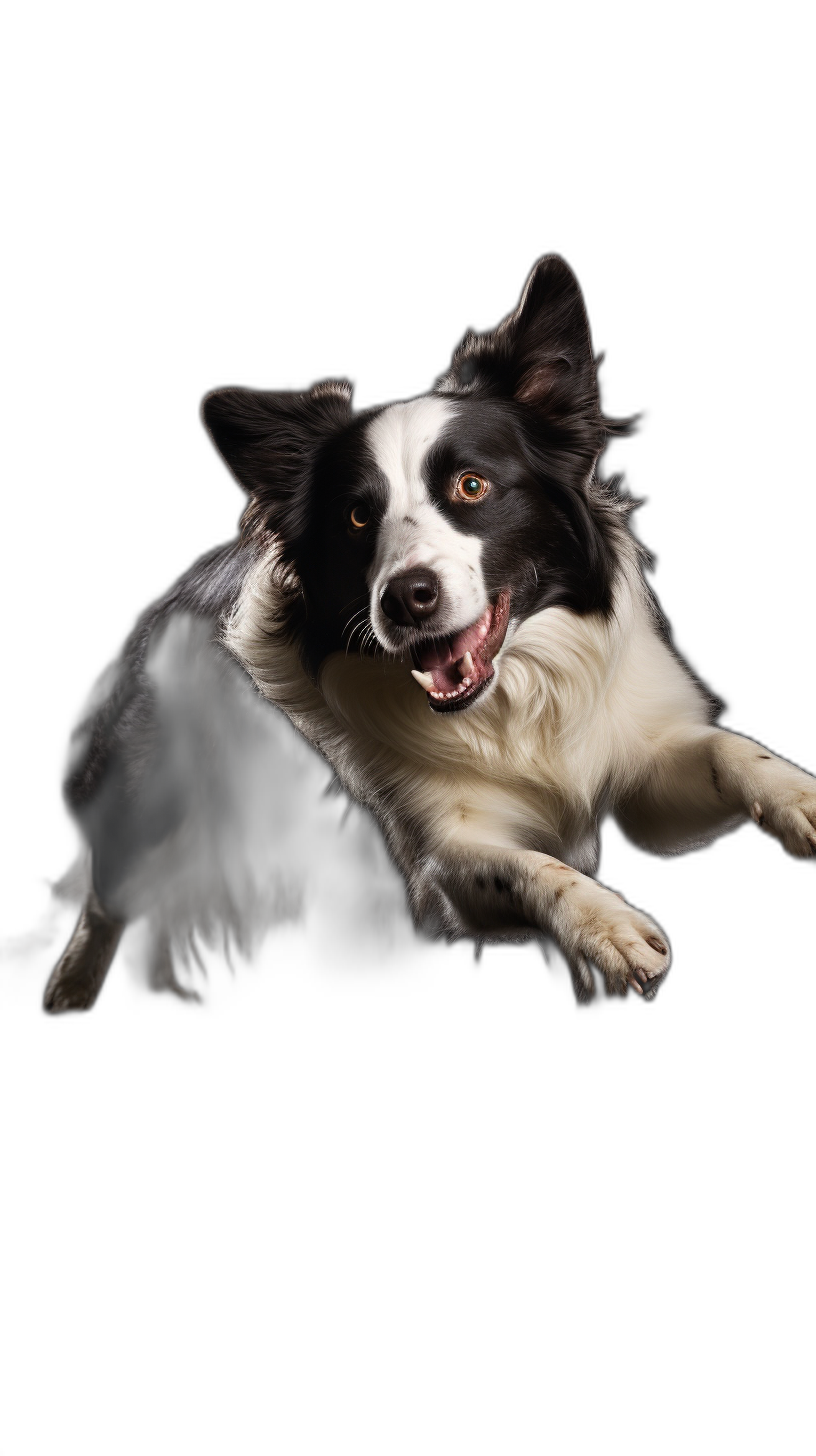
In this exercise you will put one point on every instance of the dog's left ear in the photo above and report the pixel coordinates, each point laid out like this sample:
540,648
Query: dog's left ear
541,357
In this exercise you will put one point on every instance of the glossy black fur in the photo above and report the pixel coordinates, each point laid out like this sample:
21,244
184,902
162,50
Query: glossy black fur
529,411
541,539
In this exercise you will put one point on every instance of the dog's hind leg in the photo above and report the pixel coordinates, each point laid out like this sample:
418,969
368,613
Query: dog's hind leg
77,978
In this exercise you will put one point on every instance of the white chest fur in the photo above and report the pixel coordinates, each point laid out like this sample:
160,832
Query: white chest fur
578,705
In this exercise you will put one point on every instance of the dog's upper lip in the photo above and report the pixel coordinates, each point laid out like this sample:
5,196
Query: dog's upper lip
453,669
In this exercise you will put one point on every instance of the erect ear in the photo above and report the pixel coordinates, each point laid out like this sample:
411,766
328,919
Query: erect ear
270,441
540,356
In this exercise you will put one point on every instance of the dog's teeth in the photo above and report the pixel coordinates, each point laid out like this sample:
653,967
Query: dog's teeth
465,665
424,679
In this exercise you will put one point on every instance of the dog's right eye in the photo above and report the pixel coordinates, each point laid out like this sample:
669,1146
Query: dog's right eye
359,516
470,487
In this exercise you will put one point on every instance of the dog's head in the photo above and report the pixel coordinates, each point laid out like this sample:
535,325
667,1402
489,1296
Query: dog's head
427,527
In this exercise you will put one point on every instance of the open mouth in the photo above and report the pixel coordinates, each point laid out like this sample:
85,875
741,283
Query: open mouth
454,670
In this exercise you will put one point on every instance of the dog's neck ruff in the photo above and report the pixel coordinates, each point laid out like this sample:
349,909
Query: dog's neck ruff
556,682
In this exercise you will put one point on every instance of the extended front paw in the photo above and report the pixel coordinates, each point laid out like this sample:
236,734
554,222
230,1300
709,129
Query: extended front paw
628,947
790,814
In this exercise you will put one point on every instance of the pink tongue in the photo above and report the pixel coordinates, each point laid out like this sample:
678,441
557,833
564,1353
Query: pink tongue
440,656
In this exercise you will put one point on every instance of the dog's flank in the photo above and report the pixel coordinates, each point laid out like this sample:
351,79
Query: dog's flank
445,598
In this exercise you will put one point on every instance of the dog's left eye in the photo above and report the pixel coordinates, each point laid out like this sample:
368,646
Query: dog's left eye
359,516
471,487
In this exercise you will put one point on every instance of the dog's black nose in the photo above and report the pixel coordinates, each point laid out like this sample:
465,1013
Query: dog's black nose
411,598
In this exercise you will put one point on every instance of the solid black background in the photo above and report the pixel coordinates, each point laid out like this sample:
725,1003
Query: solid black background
169,280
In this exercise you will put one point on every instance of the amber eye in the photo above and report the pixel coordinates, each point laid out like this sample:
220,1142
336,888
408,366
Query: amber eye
359,516
471,487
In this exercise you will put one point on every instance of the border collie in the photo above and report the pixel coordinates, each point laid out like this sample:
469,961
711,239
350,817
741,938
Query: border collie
445,599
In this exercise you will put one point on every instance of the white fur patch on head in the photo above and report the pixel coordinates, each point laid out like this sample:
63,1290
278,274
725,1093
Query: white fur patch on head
414,533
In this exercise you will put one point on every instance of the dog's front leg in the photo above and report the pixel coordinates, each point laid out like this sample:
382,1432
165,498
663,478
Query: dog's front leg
778,796
501,890
698,785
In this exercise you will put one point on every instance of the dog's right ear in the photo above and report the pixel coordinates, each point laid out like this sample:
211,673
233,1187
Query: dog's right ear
270,441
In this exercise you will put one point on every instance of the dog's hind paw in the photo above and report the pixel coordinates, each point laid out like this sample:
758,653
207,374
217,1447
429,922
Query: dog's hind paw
66,992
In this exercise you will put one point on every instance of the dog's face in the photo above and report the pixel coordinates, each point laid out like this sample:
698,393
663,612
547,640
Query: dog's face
426,528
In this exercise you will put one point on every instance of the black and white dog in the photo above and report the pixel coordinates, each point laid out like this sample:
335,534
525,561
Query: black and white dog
444,597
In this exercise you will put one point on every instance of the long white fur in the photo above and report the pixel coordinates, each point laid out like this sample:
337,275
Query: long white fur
493,813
